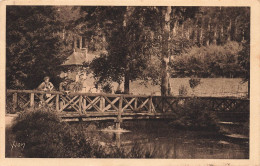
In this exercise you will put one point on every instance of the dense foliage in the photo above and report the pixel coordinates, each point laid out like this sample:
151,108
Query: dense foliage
195,114
33,47
148,43
46,136
209,61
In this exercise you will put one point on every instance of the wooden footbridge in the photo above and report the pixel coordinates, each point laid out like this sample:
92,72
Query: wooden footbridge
77,106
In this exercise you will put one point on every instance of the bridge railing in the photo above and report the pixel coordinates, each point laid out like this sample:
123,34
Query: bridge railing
82,103
101,103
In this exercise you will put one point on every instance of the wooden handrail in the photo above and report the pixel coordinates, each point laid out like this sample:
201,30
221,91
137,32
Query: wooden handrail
118,95
33,91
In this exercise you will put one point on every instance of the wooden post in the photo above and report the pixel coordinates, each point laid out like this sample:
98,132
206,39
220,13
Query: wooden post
119,120
102,103
57,103
84,104
32,100
80,104
163,103
150,104
15,102
118,140
135,103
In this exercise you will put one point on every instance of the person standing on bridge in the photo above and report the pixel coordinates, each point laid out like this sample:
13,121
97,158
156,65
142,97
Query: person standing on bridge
46,85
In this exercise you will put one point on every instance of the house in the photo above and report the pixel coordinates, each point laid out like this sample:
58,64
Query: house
77,73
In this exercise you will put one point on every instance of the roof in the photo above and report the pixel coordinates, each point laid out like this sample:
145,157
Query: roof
78,58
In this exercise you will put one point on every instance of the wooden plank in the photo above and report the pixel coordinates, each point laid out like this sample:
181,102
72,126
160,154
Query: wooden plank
49,99
92,114
33,91
84,103
112,103
80,104
26,104
74,103
128,103
143,104
150,104
117,95
68,103
22,97
102,103
98,119
153,108
109,105
136,100
120,111
92,103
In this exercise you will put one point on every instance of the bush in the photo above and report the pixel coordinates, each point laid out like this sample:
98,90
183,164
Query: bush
195,114
209,61
194,82
45,135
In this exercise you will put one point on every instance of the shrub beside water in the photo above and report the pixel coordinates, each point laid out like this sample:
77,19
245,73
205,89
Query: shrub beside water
45,135
195,114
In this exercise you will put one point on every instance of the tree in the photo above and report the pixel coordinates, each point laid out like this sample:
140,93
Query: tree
209,61
34,48
136,35
165,52
128,44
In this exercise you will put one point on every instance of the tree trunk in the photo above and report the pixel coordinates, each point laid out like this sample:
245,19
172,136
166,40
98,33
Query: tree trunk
127,67
195,32
165,52
209,29
127,84
174,28
200,34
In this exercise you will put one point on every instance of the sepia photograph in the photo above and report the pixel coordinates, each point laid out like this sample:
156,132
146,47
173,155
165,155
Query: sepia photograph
127,82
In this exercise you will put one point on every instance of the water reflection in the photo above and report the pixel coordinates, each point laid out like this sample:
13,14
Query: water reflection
163,142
